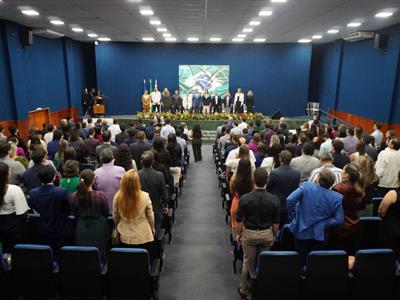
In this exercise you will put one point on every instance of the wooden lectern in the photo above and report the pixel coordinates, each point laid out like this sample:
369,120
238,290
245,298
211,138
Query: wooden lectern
38,117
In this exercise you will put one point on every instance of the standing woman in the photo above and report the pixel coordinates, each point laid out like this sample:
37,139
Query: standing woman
369,177
146,102
250,101
133,214
166,100
206,100
272,161
176,157
13,211
196,135
124,159
91,210
71,176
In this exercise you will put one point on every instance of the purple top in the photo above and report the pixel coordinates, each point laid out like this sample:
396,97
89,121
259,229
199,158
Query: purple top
349,144
107,179
253,147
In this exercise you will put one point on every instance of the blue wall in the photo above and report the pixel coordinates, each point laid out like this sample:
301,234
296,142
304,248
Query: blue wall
278,74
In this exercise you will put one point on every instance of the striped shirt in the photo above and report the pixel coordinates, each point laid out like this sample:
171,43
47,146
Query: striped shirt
336,171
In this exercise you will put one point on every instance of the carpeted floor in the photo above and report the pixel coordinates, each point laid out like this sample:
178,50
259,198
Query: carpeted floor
198,262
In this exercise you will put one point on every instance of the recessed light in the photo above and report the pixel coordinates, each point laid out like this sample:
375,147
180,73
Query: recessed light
170,39
92,35
215,39
192,39
162,29
134,1
148,39
237,40
104,39
254,23
248,30
147,12
57,22
304,41
384,14
30,12
354,24
241,35
332,31
166,35
155,22
278,1
317,37
265,13
259,40
77,29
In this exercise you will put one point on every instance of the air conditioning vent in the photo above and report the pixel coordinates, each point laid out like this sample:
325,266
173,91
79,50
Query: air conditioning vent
47,33
358,36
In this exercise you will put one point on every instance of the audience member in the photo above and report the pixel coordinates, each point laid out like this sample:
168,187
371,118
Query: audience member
387,167
16,168
176,157
70,178
369,178
326,146
123,135
340,159
232,164
349,142
272,161
114,129
261,154
167,129
90,145
124,158
52,146
30,178
326,163
370,147
254,142
106,135
138,148
377,134
305,163
196,135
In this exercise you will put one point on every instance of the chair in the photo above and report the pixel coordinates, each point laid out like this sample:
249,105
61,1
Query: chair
370,233
374,274
130,275
80,273
327,273
376,202
277,277
33,271
6,290
286,239
32,229
85,166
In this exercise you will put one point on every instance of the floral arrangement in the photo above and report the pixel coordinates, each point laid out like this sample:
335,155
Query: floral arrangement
186,116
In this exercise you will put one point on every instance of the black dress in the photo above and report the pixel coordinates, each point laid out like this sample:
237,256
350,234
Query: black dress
250,104
391,226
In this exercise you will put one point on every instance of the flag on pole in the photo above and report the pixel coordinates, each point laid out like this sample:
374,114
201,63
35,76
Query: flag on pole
155,85
144,86
151,86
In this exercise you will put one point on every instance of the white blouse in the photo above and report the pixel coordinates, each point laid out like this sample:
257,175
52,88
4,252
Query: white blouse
14,201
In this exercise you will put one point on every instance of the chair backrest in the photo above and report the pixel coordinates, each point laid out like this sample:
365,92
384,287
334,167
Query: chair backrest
128,274
33,269
370,233
278,275
376,202
80,273
374,274
286,239
33,229
327,273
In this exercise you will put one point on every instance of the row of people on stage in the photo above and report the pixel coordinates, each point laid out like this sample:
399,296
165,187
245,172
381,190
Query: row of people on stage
203,103
90,98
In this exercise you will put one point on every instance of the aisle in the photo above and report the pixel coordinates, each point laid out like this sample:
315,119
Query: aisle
198,262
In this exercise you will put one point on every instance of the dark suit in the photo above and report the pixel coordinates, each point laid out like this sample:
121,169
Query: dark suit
153,183
282,182
137,150
216,104
120,137
101,147
228,102
52,203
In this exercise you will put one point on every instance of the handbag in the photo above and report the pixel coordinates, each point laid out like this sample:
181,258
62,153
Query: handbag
115,237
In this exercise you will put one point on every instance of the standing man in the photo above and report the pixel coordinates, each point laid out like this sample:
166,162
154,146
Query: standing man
377,134
206,99
227,103
258,211
85,101
216,103
155,100
176,102
238,102
197,102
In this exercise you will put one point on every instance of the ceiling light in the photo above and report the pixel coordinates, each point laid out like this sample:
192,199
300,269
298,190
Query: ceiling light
242,36
193,39
30,12
57,22
304,41
254,23
162,29
215,39
332,31
155,22
248,30
170,39
92,35
146,12
96,43
148,39
166,35
278,1
317,37
384,14
259,40
77,29
104,39
134,1
354,24
265,13
236,40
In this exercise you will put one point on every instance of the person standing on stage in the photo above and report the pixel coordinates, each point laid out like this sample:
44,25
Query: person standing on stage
250,101
185,102
156,100
176,102
238,102
146,102
166,101
206,99
216,103
227,103
197,102
85,101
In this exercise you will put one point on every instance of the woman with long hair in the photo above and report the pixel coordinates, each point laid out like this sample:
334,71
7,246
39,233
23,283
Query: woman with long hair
71,176
91,210
367,170
133,214
196,136
240,184
166,101
233,164
254,142
176,157
124,158
13,211
361,147
59,156
272,161
161,154
352,188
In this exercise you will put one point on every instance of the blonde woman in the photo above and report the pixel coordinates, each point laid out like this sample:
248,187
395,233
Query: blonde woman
250,101
166,100
133,214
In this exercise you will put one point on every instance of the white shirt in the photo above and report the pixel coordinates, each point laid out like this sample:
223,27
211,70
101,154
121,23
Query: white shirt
48,137
268,163
336,171
236,131
114,129
234,154
187,101
166,131
239,97
387,167
234,163
216,97
155,97
243,125
326,147
378,135
41,142
14,201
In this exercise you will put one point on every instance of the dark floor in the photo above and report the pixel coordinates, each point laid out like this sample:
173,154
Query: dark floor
198,262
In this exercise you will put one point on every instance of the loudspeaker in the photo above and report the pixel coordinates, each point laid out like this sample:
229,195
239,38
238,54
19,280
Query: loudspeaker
381,41
26,38
276,115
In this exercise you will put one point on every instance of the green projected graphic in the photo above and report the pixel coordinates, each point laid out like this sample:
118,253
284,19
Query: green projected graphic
194,78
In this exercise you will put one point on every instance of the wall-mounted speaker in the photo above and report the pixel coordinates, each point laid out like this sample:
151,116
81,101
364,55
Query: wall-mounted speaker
26,38
381,41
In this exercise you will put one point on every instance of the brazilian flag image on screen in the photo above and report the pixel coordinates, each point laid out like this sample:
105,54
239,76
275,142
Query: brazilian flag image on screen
194,78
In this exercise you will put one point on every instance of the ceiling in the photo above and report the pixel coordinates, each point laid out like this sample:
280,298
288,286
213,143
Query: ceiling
121,20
